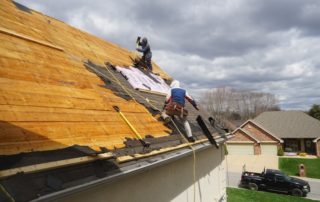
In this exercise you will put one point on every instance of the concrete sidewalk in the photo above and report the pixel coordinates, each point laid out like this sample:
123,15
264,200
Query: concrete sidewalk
254,163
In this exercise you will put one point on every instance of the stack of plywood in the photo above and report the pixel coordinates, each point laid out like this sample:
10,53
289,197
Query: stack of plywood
48,99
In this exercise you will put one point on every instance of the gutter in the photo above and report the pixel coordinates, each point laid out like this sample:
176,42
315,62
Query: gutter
128,170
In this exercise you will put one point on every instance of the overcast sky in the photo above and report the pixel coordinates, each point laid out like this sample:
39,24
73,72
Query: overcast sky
267,45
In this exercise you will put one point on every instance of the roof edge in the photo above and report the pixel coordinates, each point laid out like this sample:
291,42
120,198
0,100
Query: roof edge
316,140
261,127
127,171
245,132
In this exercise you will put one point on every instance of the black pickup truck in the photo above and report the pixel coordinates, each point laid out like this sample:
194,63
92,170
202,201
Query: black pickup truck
274,180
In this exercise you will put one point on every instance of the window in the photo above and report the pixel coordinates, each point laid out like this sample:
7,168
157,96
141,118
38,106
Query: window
291,145
279,178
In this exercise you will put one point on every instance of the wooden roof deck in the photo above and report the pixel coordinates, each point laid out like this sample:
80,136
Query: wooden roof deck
48,99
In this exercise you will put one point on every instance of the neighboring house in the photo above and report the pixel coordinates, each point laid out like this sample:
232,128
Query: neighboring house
295,131
62,137
298,130
252,139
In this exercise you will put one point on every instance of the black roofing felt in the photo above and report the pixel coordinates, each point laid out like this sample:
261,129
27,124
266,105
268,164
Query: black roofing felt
157,100
24,187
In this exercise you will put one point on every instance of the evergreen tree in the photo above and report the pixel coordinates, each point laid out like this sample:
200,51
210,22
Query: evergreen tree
315,111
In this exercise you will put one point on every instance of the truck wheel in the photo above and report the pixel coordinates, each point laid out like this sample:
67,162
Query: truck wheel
296,192
253,186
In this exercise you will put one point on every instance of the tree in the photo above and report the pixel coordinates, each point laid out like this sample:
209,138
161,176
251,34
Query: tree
230,104
315,111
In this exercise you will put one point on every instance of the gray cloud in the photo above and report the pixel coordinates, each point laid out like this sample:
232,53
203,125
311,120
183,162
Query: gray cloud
268,45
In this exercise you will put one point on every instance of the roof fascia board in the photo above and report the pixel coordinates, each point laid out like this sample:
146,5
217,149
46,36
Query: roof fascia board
246,134
316,140
252,121
268,141
234,142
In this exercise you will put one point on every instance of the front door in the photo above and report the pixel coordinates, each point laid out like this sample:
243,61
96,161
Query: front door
309,146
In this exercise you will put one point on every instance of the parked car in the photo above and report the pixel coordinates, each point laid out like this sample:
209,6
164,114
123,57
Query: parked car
274,180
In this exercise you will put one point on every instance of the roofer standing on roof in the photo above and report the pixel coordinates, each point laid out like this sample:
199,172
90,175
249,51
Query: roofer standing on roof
145,49
175,103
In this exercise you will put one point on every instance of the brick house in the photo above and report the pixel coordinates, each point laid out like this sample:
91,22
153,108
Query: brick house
251,138
295,131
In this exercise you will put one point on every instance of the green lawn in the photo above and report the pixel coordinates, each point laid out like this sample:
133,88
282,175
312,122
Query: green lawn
244,195
290,166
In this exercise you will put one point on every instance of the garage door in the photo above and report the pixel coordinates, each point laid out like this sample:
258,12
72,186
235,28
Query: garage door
240,149
269,149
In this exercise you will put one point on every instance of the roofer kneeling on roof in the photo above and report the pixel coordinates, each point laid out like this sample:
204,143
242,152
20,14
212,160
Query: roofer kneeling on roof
175,103
145,49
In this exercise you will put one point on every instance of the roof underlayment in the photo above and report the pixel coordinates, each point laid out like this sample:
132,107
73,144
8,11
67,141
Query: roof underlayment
58,124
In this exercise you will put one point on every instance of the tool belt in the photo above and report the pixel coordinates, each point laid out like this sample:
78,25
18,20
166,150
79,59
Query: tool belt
177,109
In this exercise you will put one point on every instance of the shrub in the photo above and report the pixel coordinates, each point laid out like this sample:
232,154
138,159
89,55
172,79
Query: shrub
280,151
302,154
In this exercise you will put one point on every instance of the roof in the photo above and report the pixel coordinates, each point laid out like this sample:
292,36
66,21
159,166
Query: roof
267,134
58,124
264,135
49,100
289,124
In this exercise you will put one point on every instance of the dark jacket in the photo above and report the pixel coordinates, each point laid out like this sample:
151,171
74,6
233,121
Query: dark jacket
145,49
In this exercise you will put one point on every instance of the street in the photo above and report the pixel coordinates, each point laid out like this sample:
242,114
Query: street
233,179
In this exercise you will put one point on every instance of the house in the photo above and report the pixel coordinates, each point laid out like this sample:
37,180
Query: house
74,128
298,130
294,131
251,138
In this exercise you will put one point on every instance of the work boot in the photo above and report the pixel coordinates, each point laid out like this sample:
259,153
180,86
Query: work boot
191,139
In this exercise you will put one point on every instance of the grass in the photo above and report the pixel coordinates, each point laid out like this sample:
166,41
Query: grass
244,195
290,166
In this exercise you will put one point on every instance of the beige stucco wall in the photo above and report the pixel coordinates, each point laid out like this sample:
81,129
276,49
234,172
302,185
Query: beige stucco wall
170,182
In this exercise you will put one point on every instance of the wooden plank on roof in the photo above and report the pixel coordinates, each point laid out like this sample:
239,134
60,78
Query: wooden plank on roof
22,36
123,159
